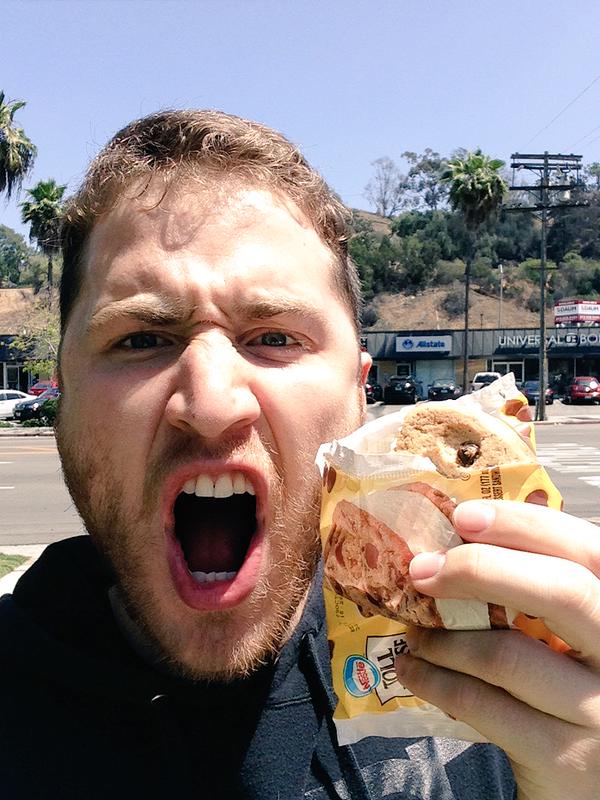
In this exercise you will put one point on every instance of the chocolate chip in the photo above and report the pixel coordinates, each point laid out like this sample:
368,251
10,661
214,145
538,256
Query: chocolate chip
330,478
466,453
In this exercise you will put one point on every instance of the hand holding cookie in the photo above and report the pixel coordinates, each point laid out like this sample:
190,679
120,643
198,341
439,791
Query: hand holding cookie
542,707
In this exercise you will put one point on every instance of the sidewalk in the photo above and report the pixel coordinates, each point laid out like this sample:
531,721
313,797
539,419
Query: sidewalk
31,551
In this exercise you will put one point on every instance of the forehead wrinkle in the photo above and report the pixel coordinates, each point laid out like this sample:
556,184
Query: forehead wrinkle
150,309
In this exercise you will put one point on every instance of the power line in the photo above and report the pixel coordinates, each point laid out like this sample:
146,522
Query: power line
562,111
571,146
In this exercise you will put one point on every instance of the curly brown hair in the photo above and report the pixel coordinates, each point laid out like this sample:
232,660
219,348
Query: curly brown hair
205,145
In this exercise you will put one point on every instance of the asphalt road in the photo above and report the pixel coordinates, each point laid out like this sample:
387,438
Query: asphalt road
35,507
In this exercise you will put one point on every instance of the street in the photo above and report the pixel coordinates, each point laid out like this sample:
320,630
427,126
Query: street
37,509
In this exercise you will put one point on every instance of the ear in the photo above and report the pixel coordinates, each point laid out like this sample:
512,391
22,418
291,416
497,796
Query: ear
365,365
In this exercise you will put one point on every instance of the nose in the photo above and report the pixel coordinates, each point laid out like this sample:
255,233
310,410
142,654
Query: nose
213,394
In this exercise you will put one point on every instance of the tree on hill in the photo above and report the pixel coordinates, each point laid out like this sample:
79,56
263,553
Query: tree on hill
387,188
14,256
424,179
43,212
17,153
476,191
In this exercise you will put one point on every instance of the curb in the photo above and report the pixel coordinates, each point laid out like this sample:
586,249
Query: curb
568,421
26,431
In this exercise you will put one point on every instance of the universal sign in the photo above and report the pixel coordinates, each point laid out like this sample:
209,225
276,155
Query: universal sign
423,344
521,341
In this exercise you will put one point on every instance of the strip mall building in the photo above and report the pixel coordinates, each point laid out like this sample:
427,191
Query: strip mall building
431,355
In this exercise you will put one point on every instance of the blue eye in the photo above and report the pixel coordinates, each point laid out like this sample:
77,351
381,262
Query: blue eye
143,341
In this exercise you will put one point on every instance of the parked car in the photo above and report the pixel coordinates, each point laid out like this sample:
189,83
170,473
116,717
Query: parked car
9,399
373,392
531,390
584,389
33,409
401,391
444,389
482,379
41,386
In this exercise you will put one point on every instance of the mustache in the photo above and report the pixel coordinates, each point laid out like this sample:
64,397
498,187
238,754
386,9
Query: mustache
247,447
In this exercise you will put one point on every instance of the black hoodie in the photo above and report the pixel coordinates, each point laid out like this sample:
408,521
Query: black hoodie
83,717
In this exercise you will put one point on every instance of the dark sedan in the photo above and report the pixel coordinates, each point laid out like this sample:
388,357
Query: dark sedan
33,409
531,390
443,390
401,391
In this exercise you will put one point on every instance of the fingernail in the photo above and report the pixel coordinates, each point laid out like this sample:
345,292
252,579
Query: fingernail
474,516
426,565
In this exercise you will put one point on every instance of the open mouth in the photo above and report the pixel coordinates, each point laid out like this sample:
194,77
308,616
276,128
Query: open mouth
215,526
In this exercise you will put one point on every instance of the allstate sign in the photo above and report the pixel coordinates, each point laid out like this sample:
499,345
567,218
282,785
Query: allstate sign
424,344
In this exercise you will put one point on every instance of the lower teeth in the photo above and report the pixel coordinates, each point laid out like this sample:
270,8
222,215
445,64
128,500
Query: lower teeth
212,577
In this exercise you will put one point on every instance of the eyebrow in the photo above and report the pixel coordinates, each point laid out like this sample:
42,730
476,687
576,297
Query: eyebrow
275,307
164,311
160,311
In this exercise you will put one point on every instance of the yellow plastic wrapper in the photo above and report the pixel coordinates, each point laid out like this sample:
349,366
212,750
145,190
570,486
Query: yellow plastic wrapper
371,494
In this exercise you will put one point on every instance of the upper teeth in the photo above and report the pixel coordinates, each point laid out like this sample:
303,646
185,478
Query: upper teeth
222,486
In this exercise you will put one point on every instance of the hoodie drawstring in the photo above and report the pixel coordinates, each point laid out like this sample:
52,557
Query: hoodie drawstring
347,760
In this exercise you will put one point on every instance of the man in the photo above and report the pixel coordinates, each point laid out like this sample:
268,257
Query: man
209,345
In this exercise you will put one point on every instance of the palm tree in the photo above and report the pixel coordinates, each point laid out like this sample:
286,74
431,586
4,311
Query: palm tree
476,190
43,212
17,153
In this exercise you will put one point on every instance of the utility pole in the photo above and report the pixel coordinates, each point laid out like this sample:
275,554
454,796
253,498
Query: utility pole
551,191
501,269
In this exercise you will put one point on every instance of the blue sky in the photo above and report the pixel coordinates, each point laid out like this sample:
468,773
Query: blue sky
348,81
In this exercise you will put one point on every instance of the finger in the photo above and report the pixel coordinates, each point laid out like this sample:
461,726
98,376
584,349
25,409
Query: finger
564,594
524,414
524,667
528,526
543,749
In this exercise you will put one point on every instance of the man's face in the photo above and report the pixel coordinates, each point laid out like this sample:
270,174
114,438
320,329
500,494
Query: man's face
204,361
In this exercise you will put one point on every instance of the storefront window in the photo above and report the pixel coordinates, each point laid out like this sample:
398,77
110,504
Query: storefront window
509,366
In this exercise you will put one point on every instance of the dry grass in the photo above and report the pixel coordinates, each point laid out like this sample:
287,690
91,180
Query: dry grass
14,305
424,311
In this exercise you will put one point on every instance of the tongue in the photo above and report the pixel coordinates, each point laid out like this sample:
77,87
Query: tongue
216,549
215,533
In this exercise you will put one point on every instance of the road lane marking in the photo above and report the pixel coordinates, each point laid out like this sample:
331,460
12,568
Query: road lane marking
571,459
7,487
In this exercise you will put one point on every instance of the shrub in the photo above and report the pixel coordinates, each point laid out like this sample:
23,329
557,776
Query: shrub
48,412
448,272
454,302
369,316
